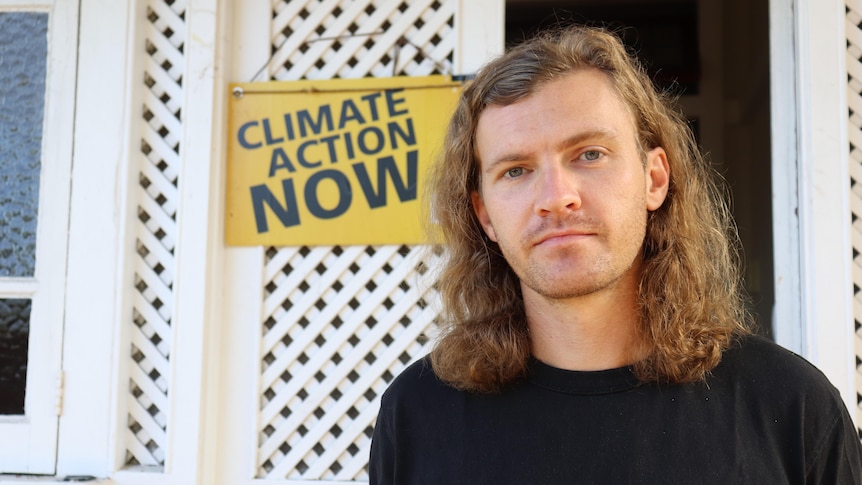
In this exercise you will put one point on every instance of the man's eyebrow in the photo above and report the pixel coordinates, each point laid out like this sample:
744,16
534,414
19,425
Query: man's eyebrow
509,157
576,139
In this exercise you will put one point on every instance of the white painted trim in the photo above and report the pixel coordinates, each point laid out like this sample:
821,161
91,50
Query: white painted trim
821,240
826,185
86,430
126,203
18,287
31,480
237,456
804,179
52,234
193,418
243,282
788,312
26,5
480,29
29,444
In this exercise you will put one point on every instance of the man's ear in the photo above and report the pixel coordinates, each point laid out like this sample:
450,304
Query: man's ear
657,178
482,214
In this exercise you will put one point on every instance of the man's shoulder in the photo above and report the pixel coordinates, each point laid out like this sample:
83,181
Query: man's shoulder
771,367
801,413
417,383
759,352
418,373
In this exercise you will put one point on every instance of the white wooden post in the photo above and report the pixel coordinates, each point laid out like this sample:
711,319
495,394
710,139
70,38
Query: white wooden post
196,364
788,314
480,29
95,262
808,47
249,41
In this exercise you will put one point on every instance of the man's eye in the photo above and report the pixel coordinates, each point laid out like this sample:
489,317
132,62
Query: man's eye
514,172
591,155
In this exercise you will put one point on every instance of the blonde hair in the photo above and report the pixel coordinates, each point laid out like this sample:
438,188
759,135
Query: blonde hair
690,291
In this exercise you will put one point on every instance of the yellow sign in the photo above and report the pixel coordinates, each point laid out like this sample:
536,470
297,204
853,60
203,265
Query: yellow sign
333,162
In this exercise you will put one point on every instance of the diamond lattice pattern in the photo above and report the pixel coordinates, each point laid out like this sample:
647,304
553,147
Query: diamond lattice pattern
324,39
341,322
854,101
155,230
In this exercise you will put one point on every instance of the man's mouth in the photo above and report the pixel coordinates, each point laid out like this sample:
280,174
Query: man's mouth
562,237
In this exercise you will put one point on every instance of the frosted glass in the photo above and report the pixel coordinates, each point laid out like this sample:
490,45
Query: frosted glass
23,52
14,336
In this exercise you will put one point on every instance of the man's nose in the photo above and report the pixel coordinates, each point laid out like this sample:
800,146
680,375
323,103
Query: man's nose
558,191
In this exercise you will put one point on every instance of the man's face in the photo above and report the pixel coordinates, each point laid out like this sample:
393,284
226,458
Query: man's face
564,187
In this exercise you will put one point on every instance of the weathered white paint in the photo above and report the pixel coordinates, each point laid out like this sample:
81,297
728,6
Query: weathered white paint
95,255
811,187
787,318
827,189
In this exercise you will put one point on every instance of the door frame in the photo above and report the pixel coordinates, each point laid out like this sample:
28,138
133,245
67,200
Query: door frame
29,443
810,187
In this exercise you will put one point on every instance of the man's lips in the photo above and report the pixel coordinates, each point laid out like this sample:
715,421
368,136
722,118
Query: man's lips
561,237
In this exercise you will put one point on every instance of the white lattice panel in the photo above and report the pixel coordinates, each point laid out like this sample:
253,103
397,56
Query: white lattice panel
854,101
341,322
158,166
323,39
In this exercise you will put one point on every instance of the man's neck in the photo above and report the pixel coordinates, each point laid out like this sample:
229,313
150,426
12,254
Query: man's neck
592,332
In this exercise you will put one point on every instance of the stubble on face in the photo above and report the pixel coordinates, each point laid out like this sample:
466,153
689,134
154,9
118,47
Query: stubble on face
549,275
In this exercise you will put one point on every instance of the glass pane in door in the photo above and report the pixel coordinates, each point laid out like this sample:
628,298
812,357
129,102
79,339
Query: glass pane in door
14,335
23,55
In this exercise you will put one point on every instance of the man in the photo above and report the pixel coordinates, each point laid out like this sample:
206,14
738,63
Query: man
595,327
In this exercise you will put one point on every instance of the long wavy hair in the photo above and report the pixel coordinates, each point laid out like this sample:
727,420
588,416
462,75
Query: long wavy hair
690,292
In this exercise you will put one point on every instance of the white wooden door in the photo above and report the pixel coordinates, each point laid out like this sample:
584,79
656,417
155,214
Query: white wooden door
315,334
37,66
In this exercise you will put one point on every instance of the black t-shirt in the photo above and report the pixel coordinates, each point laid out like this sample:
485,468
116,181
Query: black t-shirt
764,415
